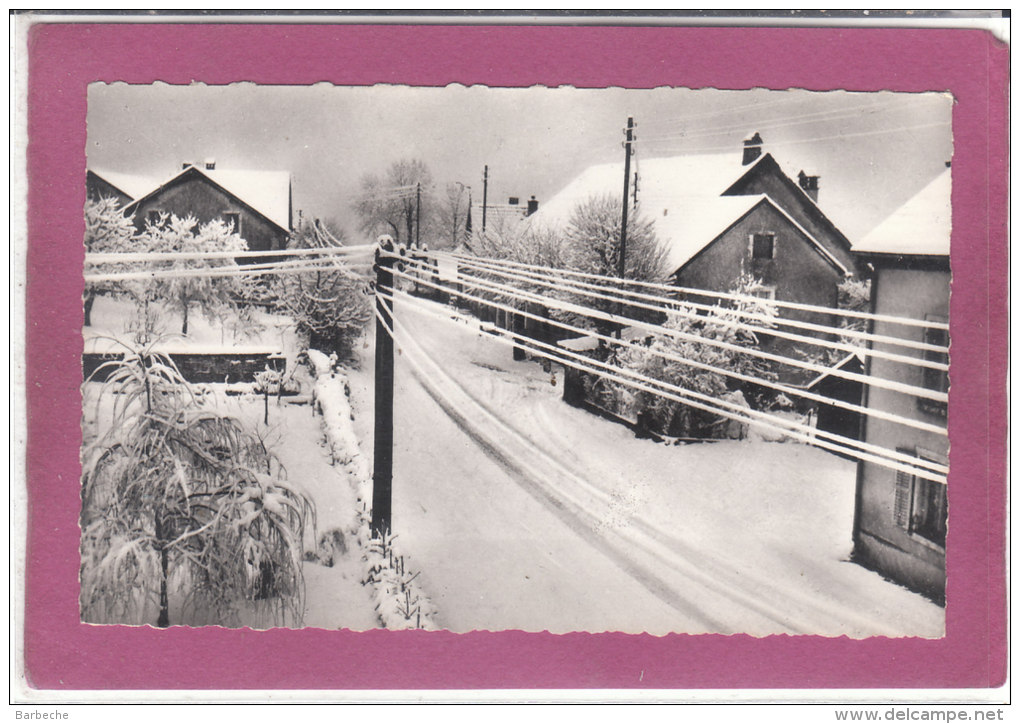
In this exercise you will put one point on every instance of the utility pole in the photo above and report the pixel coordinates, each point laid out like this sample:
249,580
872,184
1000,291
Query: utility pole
417,218
621,268
622,262
485,196
382,472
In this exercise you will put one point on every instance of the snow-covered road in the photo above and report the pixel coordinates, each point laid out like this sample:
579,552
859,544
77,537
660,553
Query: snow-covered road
525,513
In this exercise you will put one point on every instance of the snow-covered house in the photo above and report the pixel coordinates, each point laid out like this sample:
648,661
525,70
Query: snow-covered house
257,203
502,217
124,187
900,521
724,215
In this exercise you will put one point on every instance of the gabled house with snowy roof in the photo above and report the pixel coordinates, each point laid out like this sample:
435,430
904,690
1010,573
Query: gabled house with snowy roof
724,215
257,203
124,187
900,521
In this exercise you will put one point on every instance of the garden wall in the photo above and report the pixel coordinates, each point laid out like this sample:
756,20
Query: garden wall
229,367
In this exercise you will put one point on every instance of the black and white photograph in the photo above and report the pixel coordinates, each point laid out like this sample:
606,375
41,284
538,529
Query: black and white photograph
544,359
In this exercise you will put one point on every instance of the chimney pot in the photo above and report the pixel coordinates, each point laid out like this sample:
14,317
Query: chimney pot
752,148
809,184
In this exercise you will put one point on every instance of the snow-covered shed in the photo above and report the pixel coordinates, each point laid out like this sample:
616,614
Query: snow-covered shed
257,203
900,523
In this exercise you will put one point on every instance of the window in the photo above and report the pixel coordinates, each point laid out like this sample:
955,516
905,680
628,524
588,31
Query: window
935,379
763,246
233,220
920,506
762,291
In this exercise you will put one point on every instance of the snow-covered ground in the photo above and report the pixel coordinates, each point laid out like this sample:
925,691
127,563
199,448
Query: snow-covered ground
521,512
112,317
334,596
525,513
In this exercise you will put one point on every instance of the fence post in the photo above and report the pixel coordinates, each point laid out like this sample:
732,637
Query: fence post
382,472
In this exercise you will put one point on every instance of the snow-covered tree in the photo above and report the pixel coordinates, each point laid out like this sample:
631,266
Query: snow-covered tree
107,230
686,330
593,238
212,295
451,217
330,306
186,517
389,204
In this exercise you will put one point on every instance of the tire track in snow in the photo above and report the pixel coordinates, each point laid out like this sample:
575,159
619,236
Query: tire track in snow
791,611
581,518
571,514
813,616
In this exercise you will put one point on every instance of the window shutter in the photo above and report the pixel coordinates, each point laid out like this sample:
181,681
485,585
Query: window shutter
901,503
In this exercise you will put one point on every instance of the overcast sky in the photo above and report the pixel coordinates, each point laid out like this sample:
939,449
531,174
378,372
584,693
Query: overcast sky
873,151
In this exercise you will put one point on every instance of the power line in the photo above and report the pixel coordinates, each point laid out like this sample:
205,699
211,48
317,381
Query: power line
779,387
814,139
131,257
864,451
671,288
773,124
298,266
551,302
676,307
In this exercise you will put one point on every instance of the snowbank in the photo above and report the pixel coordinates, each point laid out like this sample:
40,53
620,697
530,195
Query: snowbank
400,602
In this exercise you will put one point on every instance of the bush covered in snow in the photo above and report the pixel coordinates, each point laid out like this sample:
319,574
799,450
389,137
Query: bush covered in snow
330,307
186,517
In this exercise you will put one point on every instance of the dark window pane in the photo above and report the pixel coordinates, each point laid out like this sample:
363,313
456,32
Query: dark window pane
763,246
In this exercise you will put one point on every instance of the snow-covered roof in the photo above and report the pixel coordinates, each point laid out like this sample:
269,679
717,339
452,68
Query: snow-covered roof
268,192
921,226
680,195
134,185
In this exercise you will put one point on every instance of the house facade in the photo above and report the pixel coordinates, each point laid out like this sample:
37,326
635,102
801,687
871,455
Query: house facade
258,204
901,519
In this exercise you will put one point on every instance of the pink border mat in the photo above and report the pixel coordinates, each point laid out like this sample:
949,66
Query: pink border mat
61,653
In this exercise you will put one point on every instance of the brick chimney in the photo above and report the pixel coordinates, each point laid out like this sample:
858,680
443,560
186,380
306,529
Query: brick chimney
532,206
752,149
210,164
809,184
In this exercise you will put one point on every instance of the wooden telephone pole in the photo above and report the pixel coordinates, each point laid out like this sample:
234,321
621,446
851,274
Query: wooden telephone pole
417,218
485,195
382,472
622,263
